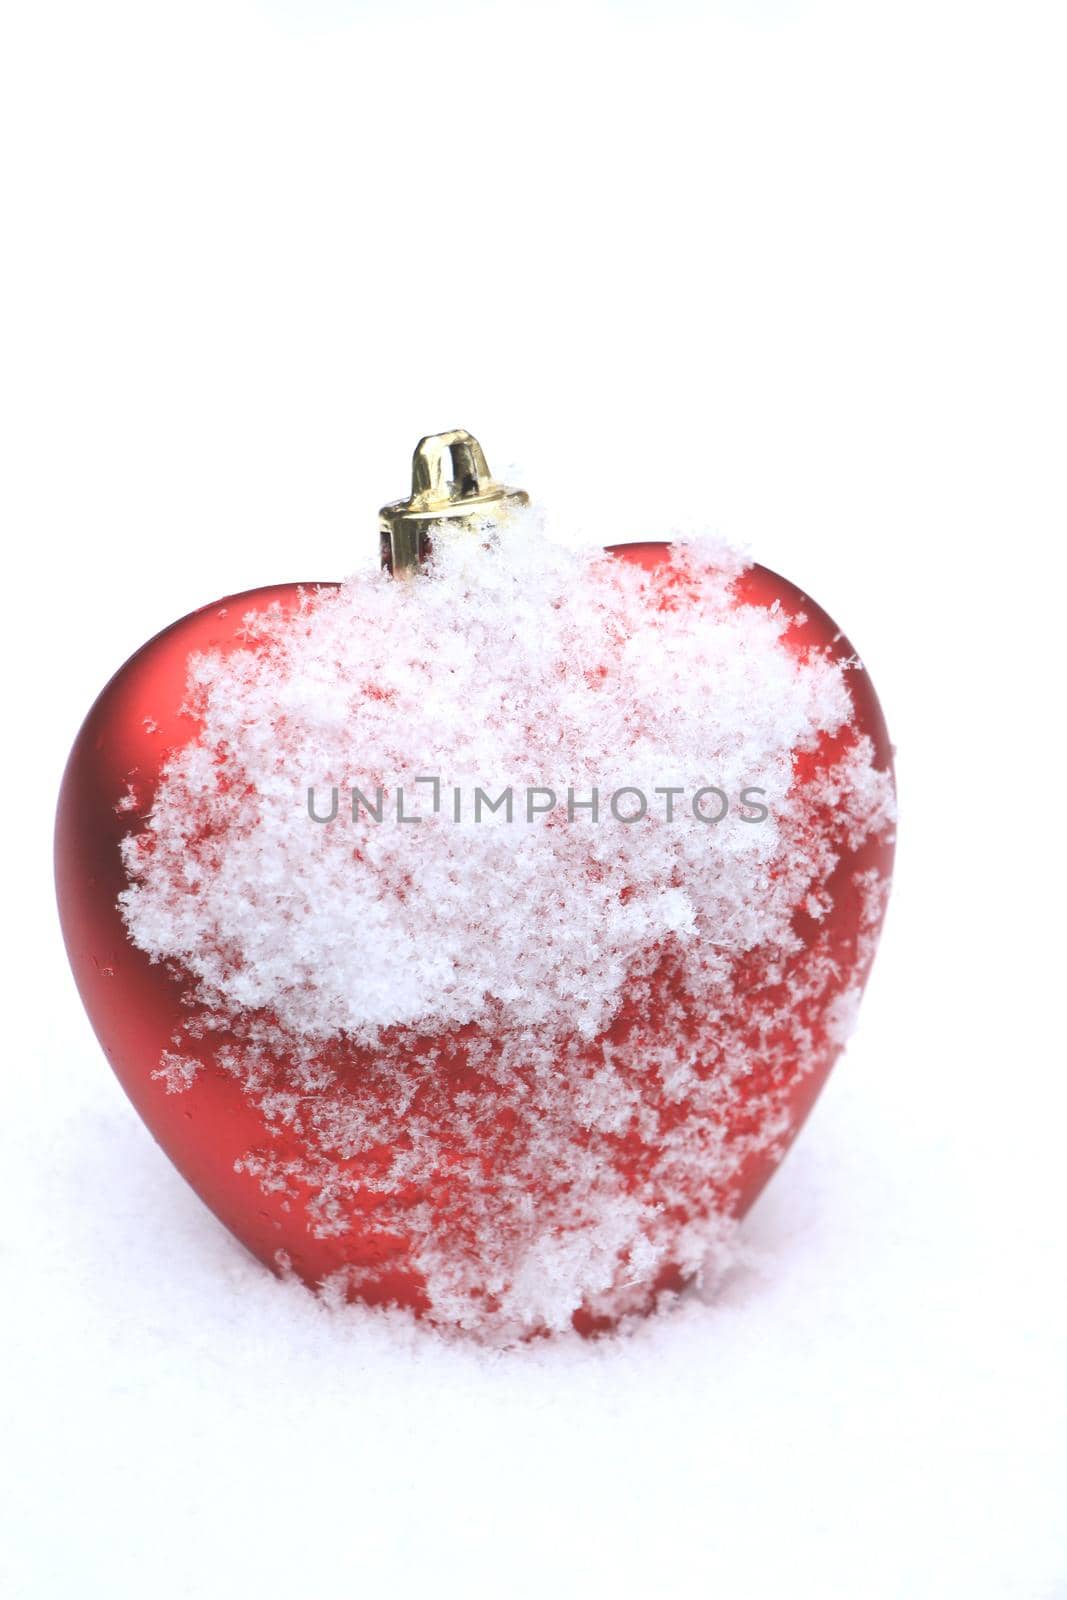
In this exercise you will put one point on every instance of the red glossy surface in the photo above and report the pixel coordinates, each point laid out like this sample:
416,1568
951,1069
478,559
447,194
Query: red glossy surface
136,1007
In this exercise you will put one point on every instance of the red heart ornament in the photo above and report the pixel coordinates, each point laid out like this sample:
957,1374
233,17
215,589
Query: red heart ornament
482,1172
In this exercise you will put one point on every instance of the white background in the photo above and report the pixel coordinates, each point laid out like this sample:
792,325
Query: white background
793,271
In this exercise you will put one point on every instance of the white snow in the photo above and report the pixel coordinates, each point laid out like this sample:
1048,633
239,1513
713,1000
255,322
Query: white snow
514,663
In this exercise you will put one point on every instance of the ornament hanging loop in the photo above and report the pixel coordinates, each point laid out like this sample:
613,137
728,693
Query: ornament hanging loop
470,472
467,499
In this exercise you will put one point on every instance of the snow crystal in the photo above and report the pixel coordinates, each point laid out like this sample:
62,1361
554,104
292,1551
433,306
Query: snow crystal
534,1014
176,1072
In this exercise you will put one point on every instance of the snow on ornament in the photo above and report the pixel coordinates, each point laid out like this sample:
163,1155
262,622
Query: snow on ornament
475,935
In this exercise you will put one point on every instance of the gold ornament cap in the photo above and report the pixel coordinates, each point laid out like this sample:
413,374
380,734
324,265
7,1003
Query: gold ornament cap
470,496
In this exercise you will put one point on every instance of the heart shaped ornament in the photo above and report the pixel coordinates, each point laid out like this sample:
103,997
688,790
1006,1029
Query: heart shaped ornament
475,935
